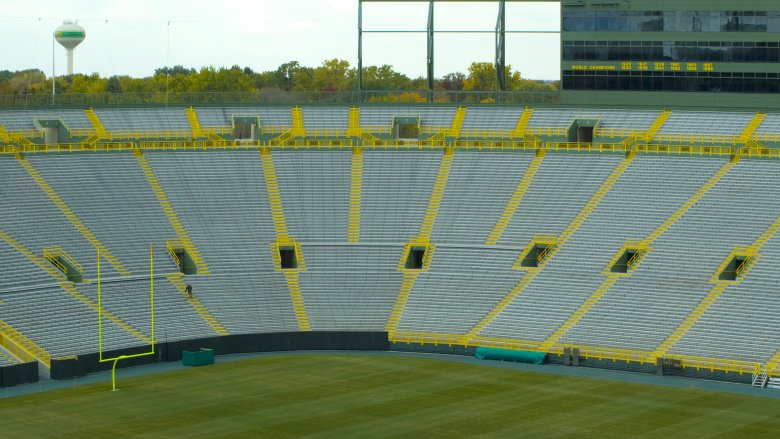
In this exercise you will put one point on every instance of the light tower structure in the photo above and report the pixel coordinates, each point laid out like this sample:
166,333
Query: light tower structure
69,35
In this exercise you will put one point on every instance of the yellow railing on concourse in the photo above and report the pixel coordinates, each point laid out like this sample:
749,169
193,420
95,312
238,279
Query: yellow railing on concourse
21,346
692,139
588,352
693,150
616,133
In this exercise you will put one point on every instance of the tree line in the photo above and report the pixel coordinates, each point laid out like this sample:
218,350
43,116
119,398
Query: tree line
334,75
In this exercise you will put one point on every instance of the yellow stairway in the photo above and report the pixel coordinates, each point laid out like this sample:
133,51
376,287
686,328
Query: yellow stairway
610,280
283,237
436,195
4,136
368,138
457,122
12,339
594,201
274,197
774,363
298,130
70,288
88,235
176,279
353,129
514,202
17,138
173,219
192,117
580,312
97,125
573,226
355,193
522,123
422,239
690,202
656,125
39,261
718,288
751,128
400,302
21,346
690,319
297,301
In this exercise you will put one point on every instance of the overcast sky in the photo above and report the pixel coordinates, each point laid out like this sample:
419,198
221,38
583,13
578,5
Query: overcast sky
134,37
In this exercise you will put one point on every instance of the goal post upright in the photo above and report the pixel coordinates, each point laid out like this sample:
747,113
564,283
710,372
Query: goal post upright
100,319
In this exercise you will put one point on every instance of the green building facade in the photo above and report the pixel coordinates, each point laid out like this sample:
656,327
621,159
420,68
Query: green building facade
673,53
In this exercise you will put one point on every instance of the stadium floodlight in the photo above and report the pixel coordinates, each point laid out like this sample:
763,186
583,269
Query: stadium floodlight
100,319
500,36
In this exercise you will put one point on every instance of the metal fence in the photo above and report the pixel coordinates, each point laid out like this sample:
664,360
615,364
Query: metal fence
281,97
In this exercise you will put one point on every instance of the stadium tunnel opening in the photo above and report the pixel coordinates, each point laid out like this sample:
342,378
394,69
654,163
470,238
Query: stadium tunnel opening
581,130
415,258
628,257
288,257
734,267
406,127
246,127
536,254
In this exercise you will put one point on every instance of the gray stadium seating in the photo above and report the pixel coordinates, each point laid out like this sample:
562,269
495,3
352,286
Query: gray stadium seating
221,200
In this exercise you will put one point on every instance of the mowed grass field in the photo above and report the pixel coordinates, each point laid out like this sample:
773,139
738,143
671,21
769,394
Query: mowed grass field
374,396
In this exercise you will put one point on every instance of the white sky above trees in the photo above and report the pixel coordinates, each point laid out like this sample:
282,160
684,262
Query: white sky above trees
133,37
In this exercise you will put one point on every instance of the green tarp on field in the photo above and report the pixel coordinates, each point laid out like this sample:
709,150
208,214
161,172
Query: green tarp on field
484,353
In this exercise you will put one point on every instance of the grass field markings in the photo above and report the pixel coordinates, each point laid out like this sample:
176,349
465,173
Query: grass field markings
481,410
428,401
396,412
586,400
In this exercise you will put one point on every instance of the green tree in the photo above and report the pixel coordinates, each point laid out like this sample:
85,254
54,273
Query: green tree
332,75
113,85
482,76
87,84
285,73
27,81
384,78
452,81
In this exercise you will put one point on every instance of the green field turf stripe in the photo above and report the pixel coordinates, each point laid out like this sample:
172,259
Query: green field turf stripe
332,395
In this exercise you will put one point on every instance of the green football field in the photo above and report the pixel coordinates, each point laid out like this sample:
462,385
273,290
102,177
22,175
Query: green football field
368,396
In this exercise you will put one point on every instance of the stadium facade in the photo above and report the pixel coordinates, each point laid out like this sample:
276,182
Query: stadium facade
643,237
670,53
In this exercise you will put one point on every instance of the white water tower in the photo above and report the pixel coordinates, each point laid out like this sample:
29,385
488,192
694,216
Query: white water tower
70,35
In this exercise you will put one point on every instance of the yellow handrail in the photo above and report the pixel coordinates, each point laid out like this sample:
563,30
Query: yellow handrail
692,150
540,256
633,259
21,346
148,134
464,144
52,253
82,132
616,132
15,135
601,353
711,139
172,253
767,137
558,131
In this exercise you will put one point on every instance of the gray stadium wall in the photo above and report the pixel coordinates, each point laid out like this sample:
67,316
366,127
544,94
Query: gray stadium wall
16,374
232,344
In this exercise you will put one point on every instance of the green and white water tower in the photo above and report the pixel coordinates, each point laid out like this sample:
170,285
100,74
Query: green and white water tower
69,35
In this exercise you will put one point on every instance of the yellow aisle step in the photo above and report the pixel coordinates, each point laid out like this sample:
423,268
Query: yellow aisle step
176,279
